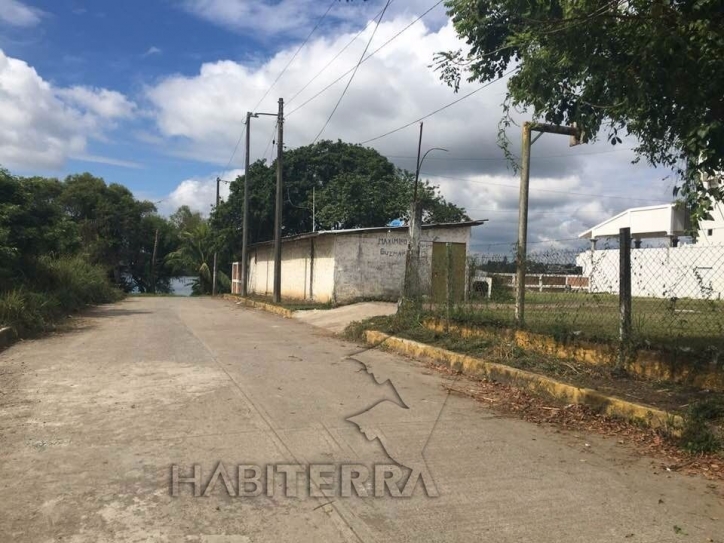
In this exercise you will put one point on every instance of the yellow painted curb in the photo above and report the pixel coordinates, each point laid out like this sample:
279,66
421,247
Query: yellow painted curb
538,384
271,308
652,365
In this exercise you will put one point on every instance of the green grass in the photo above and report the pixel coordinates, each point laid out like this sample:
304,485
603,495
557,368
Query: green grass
697,324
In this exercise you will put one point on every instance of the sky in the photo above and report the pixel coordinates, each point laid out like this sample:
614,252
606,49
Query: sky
152,94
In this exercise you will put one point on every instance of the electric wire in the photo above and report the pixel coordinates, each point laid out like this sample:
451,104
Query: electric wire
361,58
373,53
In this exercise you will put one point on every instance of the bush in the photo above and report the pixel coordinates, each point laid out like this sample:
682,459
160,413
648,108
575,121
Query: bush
59,286
700,434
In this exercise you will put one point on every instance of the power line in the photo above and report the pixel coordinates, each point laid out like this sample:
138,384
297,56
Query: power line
361,58
493,159
236,147
373,53
541,189
468,95
316,26
243,123
354,39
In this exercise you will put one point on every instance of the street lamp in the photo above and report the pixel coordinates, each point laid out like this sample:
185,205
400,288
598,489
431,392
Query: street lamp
419,166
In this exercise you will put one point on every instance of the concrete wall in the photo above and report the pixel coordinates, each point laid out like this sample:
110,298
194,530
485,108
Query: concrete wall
342,268
372,264
307,269
689,271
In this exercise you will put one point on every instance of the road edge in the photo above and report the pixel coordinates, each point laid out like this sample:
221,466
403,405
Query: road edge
538,384
270,308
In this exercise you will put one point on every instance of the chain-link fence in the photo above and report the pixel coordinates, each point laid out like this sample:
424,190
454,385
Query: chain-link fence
670,296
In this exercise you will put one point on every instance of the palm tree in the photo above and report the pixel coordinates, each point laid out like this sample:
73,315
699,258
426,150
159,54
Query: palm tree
193,256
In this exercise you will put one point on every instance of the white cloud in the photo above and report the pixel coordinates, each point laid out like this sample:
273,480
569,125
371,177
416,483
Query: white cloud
199,193
16,13
267,18
42,126
153,50
200,117
102,102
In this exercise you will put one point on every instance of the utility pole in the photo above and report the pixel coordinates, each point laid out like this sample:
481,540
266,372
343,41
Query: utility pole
411,286
245,211
522,227
213,278
521,257
417,165
153,263
278,208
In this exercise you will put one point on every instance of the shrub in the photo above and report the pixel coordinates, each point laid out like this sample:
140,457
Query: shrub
700,434
58,287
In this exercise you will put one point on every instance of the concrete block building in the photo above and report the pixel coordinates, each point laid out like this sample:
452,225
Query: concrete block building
344,265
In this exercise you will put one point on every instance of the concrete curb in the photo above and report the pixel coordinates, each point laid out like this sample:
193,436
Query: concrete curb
538,384
282,311
7,336
653,365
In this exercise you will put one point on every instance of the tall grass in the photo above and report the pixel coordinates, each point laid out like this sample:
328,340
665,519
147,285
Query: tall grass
58,287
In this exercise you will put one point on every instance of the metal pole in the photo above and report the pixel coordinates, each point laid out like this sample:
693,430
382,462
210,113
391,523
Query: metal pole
245,212
624,293
153,263
522,227
314,210
417,169
213,277
278,212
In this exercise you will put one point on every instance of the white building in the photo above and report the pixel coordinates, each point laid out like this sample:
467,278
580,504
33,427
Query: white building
345,265
693,270
712,232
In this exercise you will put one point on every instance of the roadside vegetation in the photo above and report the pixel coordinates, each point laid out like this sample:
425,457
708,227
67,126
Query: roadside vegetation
68,244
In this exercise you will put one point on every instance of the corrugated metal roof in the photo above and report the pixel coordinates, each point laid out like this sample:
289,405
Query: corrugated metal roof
367,230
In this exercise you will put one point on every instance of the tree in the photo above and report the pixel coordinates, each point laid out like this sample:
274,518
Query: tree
196,253
652,69
349,185
111,225
32,224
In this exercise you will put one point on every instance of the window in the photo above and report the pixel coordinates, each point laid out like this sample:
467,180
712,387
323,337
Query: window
710,232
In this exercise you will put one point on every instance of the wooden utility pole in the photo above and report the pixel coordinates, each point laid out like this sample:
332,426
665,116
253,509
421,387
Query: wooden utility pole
245,211
213,278
624,295
521,256
153,263
278,208
522,227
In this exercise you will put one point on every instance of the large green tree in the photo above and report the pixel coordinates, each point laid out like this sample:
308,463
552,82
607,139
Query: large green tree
346,185
32,224
650,68
111,224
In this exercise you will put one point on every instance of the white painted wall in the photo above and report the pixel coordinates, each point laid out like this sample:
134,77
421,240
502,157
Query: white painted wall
345,267
304,277
712,232
688,271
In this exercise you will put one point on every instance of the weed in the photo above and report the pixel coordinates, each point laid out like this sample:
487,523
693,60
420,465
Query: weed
699,434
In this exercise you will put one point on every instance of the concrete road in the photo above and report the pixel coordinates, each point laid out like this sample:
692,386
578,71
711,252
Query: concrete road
337,319
93,420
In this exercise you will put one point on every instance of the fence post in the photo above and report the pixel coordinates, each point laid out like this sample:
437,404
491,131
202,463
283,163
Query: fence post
448,280
624,295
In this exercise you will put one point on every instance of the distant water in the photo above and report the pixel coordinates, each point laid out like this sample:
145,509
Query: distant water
181,286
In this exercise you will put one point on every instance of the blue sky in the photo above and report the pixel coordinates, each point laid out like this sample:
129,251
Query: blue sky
151,94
